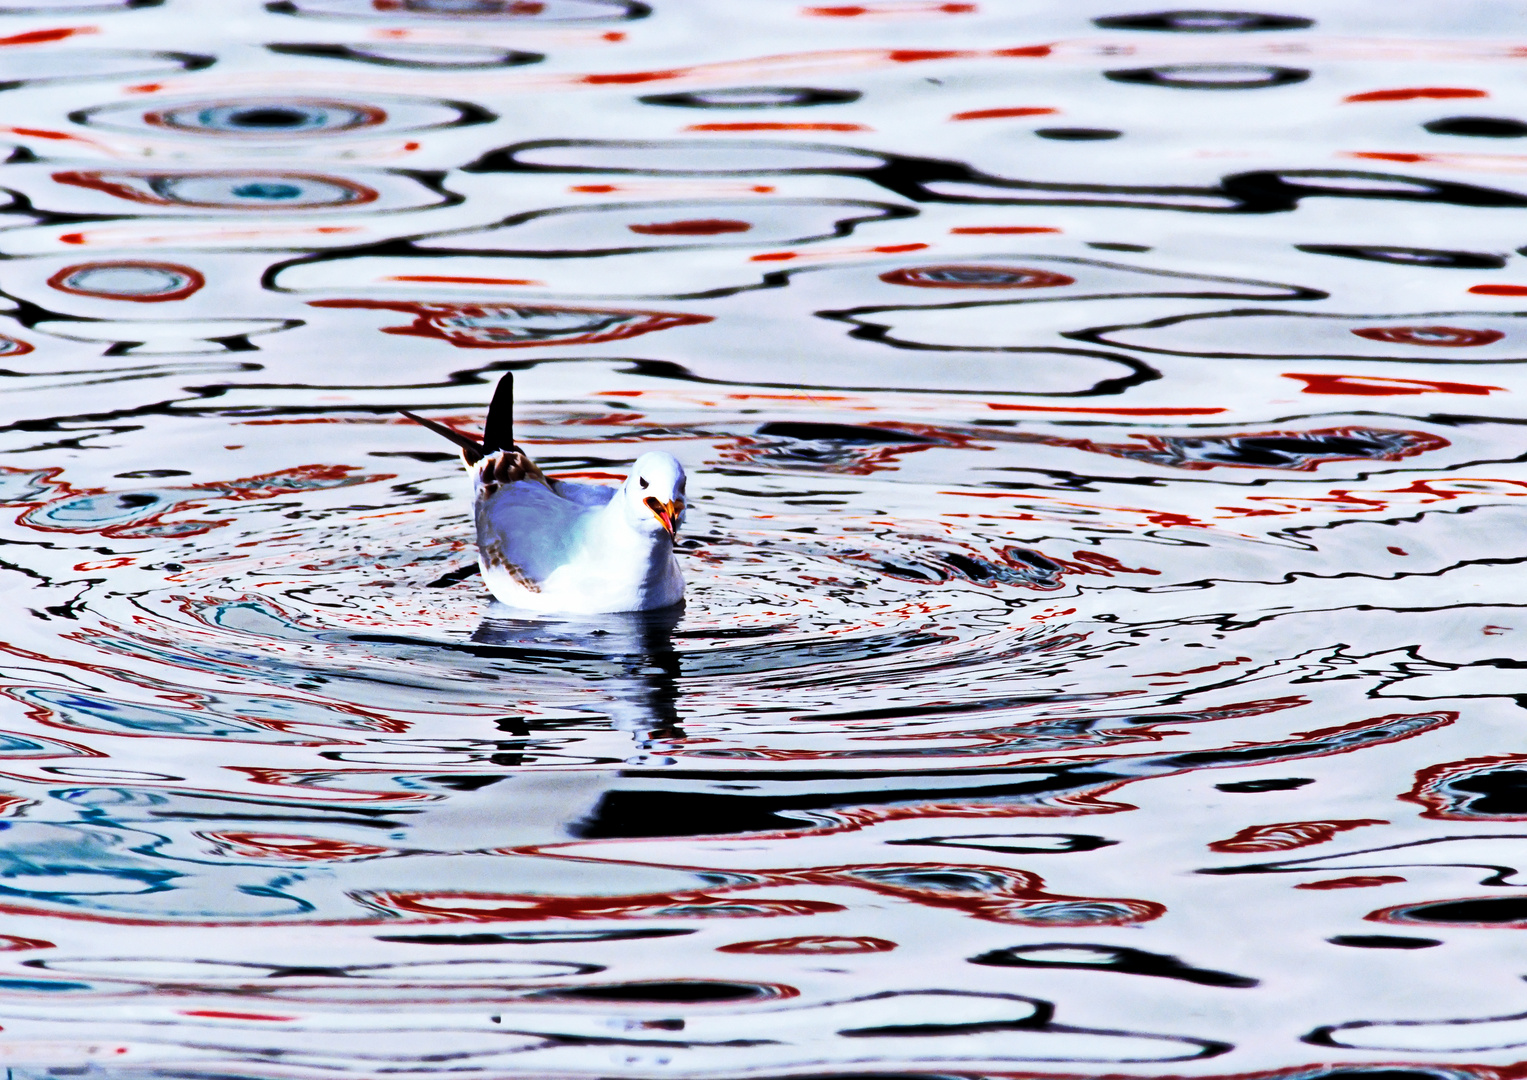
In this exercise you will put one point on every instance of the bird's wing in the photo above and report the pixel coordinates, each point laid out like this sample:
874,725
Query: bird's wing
591,495
528,527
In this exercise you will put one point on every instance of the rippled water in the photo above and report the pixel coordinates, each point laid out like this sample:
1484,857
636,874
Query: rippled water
1100,653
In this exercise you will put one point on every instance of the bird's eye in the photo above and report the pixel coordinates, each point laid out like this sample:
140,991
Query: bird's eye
642,481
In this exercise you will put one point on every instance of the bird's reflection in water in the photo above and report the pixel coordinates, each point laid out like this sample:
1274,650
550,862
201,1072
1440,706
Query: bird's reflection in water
631,654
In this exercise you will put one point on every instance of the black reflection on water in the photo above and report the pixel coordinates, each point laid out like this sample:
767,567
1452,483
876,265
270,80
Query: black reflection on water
1204,22
695,804
1078,134
1328,1034
1258,192
1485,127
676,992
1281,451
1383,941
699,804
1440,851
77,7
1249,787
1210,76
1043,1012
632,654
753,97
1268,191
1482,792
1014,843
1039,1016
849,433
1473,911
460,574
426,57
835,447
1408,256
1109,958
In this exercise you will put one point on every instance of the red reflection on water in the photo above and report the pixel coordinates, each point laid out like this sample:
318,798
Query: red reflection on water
991,893
1288,835
1000,230
39,37
12,943
1356,881
758,125
969,276
290,848
511,907
1374,155
893,9
633,77
1001,114
831,253
1384,385
185,281
1452,337
695,227
1499,290
1417,93
524,8
810,946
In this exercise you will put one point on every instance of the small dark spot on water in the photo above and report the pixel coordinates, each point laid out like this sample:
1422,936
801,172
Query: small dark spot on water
1383,941
1253,786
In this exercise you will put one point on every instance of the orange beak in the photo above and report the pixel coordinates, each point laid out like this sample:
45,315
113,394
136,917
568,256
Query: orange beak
667,514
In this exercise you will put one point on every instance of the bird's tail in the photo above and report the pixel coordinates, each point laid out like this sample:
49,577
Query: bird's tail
498,433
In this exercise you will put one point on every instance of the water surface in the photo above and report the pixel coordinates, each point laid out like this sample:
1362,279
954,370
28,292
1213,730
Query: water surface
1101,651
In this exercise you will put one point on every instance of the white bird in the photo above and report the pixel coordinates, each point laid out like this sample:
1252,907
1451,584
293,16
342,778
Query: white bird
552,546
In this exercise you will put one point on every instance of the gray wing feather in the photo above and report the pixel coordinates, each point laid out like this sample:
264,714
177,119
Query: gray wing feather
531,527
591,495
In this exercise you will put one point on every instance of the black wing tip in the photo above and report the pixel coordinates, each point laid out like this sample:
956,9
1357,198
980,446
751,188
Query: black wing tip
474,450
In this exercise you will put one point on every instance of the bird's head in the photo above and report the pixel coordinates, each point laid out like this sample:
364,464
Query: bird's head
653,494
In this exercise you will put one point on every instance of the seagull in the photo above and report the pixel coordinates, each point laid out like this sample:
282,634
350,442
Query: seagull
552,546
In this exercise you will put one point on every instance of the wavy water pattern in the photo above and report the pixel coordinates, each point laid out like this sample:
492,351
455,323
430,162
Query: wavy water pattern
1100,655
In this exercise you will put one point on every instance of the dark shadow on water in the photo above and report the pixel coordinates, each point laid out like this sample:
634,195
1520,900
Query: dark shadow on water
631,653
